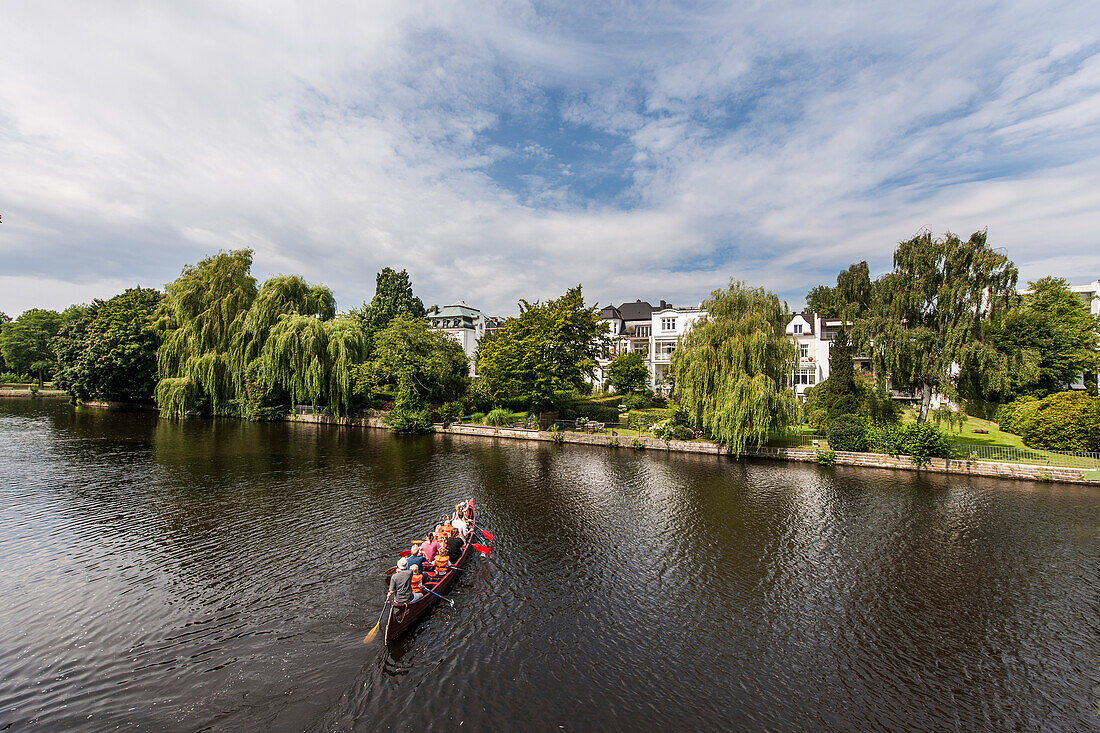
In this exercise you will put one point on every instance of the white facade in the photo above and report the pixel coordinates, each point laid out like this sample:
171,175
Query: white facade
464,324
667,326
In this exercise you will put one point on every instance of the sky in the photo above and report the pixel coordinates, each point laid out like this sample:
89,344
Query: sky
510,150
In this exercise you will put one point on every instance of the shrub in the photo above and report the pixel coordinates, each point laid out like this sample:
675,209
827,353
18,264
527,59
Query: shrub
613,443
1063,421
555,435
919,441
848,432
666,431
498,417
1013,417
13,378
638,401
825,457
478,417
450,412
637,444
409,420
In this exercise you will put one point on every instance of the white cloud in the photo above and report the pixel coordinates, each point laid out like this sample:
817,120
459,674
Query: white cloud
775,144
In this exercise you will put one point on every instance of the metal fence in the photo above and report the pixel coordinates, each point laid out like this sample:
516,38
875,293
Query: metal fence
1007,454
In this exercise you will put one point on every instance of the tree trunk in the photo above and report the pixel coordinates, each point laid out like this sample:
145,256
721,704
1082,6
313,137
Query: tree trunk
40,377
925,401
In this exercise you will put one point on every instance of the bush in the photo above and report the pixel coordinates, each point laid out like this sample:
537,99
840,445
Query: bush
638,401
478,417
1015,416
450,412
637,443
555,435
825,457
666,431
498,417
919,441
409,420
13,378
847,432
1064,421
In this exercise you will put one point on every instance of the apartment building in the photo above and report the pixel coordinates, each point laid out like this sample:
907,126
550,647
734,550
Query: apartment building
465,324
667,325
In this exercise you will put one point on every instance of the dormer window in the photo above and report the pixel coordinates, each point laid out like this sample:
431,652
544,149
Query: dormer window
798,328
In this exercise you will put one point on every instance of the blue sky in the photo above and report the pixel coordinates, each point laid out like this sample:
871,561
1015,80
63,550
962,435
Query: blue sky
510,150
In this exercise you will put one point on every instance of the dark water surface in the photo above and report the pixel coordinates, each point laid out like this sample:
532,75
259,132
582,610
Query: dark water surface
221,575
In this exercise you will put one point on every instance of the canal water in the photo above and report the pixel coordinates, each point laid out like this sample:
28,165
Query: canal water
221,575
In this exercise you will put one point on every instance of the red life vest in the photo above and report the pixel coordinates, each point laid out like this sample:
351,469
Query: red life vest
416,582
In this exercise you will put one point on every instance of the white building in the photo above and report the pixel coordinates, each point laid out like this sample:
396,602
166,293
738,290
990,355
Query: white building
813,337
464,324
667,325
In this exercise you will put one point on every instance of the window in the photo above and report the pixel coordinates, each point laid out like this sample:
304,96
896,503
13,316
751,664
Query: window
805,376
798,328
803,350
641,331
668,324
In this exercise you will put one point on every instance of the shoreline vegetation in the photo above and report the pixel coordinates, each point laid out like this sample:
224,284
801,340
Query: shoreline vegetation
947,326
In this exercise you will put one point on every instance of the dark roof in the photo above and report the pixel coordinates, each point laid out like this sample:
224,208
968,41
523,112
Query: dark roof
639,310
610,312
807,316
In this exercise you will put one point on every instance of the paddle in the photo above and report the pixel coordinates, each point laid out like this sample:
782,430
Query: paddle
481,548
374,632
448,600
487,534
404,553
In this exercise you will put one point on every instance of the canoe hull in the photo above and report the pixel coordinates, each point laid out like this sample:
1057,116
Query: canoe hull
403,616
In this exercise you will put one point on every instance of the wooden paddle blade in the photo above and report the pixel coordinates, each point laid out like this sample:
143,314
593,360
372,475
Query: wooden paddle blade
482,548
488,534
372,634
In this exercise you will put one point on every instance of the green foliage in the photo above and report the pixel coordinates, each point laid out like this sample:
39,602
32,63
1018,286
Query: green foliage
451,412
409,414
628,373
478,396
200,315
546,349
393,295
638,401
825,457
613,443
498,417
1068,421
920,441
556,435
668,430
1017,415
108,350
27,343
955,419
13,378
928,314
850,298
410,356
314,361
478,418
733,367
848,433
637,444
1058,332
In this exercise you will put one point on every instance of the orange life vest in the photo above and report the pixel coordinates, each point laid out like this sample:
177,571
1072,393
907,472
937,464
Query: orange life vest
416,582
441,561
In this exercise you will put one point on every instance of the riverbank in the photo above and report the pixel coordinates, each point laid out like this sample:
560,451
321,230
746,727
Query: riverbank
992,469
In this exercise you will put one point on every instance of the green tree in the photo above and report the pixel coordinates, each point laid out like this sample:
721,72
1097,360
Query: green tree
108,350
27,343
927,315
628,373
393,294
202,312
1057,329
546,349
408,356
313,360
733,368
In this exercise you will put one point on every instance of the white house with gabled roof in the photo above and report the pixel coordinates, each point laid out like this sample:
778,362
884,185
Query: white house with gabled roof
465,324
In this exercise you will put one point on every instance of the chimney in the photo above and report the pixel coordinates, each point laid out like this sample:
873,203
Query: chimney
664,304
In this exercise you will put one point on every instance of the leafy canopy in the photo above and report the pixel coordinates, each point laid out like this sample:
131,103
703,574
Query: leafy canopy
733,368
928,314
393,294
108,350
548,348
628,373
27,342
410,357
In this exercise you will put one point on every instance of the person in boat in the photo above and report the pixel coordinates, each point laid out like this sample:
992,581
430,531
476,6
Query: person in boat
401,583
468,511
460,524
439,532
416,582
428,548
454,544
457,513
442,561
416,556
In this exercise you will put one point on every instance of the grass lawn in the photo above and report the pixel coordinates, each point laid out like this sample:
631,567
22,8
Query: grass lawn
995,436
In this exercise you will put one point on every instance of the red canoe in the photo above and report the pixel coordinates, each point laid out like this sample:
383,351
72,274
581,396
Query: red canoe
403,616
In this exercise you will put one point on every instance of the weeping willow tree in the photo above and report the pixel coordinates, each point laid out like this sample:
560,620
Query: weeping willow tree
198,319
313,360
733,368
279,296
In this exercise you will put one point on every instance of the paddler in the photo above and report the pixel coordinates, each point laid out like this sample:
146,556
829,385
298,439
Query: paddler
401,583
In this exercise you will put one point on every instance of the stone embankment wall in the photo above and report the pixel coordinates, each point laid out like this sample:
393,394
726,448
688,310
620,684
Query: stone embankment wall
804,455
